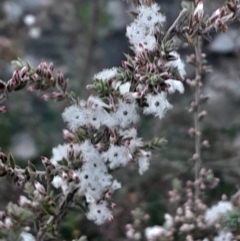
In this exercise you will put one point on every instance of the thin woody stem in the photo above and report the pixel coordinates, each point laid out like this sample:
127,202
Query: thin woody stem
40,173
176,23
198,70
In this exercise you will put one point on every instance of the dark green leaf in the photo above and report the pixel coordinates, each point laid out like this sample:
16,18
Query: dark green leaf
48,209
63,162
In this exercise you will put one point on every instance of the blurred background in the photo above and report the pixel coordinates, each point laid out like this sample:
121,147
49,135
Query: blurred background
82,37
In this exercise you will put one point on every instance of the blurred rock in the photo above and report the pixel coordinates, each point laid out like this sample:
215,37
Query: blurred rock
223,87
15,9
23,146
225,43
116,11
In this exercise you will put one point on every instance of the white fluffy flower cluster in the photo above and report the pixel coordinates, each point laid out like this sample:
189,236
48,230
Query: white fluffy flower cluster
108,118
94,113
93,179
214,214
141,31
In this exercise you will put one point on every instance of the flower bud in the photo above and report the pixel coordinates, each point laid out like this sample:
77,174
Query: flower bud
202,114
3,109
67,135
61,82
205,143
39,187
23,71
198,12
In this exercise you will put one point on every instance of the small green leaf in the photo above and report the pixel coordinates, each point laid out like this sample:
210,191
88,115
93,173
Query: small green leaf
155,143
63,162
27,174
31,166
17,64
11,161
48,209
28,188
188,4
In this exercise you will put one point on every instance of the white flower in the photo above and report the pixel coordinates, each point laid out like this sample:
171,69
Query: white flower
135,144
150,16
95,117
89,153
157,105
129,138
115,185
95,102
95,181
124,88
110,120
178,63
60,182
149,43
59,153
152,233
99,213
143,163
129,133
175,85
126,113
136,32
75,117
25,236
23,201
8,222
169,221
214,214
106,74
117,156
224,235
62,152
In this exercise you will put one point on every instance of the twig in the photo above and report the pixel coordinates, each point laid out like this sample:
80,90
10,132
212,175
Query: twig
198,70
91,39
40,235
39,173
236,16
176,23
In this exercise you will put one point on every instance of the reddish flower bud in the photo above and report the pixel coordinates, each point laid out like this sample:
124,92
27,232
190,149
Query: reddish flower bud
46,97
67,135
45,161
3,109
39,187
198,12
23,71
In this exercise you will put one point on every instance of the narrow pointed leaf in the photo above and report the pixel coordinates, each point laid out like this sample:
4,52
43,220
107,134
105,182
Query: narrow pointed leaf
11,161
